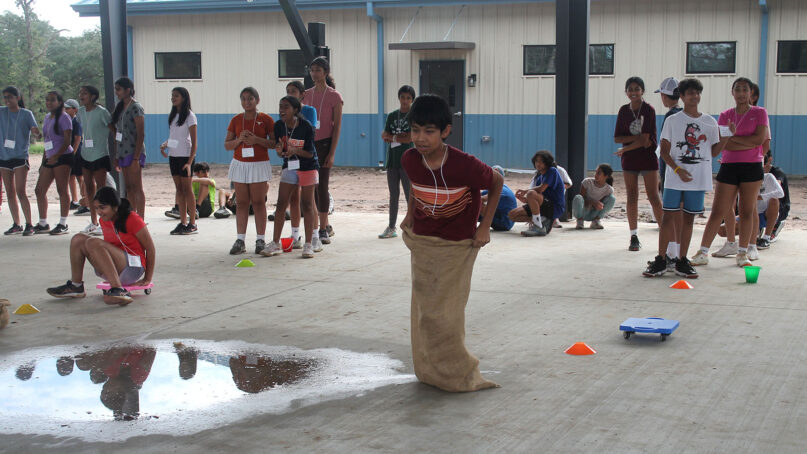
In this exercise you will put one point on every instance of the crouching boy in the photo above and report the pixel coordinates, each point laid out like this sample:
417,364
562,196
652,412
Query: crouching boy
440,229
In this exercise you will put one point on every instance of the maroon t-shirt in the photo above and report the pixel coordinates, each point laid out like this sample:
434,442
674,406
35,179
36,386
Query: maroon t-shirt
447,200
629,123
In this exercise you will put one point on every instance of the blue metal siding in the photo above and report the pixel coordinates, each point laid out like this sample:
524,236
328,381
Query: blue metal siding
514,139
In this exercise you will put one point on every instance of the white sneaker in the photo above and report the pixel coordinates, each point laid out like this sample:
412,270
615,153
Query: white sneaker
308,251
727,250
753,253
298,243
579,225
742,259
316,244
699,259
93,229
272,249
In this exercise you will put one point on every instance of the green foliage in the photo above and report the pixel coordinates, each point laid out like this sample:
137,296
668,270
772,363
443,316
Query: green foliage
51,62
36,148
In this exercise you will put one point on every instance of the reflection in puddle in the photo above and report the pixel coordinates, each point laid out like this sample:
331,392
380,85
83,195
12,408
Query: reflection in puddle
174,388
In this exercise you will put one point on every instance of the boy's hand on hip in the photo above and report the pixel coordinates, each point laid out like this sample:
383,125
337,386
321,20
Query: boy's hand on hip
481,237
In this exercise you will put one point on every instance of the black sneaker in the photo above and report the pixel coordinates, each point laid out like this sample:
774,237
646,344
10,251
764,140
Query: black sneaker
777,230
190,229
29,230
238,247
41,229
68,290
685,269
324,237
656,268
82,211
74,205
763,243
178,230
173,212
15,229
635,245
260,245
119,296
60,229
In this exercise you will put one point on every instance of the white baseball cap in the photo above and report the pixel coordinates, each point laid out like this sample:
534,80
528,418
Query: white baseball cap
668,86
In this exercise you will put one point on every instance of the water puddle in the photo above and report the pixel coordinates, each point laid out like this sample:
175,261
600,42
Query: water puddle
114,392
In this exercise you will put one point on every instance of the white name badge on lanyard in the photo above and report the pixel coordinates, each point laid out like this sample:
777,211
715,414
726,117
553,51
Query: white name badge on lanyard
10,143
119,137
394,144
317,125
248,152
294,164
48,146
134,261
172,143
88,143
725,131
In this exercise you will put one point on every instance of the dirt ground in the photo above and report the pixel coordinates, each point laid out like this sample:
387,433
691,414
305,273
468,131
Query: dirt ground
365,190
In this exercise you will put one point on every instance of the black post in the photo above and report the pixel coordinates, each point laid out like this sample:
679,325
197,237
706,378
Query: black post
571,90
114,49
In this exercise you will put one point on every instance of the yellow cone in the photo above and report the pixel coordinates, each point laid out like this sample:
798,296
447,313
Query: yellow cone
26,309
246,263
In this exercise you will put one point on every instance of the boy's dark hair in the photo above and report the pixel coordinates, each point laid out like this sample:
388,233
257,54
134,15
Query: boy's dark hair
546,157
201,167
634,80
407,89
430,109
676,94
690,84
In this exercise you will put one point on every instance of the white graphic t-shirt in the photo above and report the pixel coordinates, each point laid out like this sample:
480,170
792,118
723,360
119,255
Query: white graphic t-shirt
691,141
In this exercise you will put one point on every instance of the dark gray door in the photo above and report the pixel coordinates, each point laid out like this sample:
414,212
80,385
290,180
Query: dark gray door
446,78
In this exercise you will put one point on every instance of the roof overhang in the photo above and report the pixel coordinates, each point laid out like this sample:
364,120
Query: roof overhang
433,45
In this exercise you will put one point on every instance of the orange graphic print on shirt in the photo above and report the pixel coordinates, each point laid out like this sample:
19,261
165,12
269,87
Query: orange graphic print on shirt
441,202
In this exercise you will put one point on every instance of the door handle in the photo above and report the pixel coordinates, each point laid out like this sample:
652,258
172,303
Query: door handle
457,114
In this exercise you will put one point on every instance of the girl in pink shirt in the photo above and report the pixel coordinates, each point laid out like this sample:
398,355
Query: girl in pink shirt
740,170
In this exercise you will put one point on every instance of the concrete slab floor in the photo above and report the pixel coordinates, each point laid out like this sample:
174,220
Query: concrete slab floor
730,379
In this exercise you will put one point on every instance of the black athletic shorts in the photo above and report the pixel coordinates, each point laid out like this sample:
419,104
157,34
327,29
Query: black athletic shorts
102,163
176,163
205,209
734,173
78,165
65,159
12,164
547,212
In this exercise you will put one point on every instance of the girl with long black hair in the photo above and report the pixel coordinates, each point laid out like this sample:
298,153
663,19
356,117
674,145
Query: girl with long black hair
56,164
16,126
129,127
181,145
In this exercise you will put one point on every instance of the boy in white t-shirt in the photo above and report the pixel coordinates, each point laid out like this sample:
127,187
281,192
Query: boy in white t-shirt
689,141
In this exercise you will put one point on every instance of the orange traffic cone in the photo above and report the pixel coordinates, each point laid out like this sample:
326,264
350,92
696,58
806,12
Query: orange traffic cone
580,348
682,285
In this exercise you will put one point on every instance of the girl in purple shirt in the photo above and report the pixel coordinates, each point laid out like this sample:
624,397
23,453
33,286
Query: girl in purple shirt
56,164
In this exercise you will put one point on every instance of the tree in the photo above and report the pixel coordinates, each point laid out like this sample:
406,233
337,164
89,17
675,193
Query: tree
76,61
37,37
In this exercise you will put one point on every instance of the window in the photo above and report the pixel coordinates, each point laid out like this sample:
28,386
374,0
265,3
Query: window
178,65
540,60
791,57
601,59
711,58
290,63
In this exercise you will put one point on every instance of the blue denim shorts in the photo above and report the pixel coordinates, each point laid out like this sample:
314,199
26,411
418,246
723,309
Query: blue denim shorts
693,200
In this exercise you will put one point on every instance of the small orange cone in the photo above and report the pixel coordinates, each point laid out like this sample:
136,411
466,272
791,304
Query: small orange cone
682,285
580,348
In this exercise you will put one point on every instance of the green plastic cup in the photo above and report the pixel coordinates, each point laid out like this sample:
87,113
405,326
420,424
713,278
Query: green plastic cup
752,274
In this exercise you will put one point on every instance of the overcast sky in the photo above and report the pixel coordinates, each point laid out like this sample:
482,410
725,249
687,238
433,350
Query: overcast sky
58,13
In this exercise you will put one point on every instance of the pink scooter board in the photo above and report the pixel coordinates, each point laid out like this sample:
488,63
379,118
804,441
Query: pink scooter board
104,286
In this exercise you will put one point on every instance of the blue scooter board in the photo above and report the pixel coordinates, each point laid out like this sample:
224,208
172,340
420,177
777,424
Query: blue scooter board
649,325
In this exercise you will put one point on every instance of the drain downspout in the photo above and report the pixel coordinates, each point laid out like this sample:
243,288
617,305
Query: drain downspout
380,56
763,51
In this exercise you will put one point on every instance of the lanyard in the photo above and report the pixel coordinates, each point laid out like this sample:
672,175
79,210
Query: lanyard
254,122
737,126
16,121
321,101
290,134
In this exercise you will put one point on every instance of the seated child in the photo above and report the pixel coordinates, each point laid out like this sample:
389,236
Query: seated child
767,206
204,189
773,229
596,198
567,183
545,200
507,202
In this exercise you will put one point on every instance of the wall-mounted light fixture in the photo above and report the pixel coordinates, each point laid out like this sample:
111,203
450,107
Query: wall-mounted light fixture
472,80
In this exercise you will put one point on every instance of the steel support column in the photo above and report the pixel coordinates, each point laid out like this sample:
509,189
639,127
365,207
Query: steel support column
115,52
571,90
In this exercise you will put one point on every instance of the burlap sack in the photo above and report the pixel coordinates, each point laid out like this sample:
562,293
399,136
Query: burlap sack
441,283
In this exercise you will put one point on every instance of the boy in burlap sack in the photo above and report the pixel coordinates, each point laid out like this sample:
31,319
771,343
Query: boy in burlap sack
440,229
